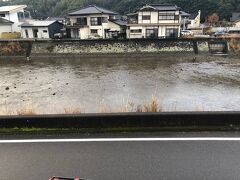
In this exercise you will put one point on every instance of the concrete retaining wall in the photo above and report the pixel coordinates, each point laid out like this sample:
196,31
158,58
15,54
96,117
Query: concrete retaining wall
106,47
124,120
51,47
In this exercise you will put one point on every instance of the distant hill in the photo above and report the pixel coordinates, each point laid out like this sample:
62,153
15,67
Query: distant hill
60,7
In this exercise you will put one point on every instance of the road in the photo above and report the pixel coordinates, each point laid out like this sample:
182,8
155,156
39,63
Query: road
165,156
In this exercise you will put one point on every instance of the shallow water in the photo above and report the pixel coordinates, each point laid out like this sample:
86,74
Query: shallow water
97,84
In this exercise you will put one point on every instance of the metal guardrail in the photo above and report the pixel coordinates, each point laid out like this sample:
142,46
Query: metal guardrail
123,120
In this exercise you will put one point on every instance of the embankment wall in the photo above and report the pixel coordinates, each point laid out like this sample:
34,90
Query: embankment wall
83,47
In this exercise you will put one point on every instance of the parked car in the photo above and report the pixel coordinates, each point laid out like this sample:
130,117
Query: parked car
58,36
219,34
185,33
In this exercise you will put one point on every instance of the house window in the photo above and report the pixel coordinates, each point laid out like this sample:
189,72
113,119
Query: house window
81,21
26,32
172,32
146,17
94,31
166,16
2,15
96,21
111,17
20,16
45,31
104,20
151,33
136,31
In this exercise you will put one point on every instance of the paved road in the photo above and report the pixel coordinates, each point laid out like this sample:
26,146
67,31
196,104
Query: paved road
140,160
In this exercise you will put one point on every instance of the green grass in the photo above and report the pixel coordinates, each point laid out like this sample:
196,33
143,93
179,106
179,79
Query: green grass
45,131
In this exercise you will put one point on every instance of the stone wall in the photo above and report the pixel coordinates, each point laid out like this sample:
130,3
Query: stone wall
78,47
12,48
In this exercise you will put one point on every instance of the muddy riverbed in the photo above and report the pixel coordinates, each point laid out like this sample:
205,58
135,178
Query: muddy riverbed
103,84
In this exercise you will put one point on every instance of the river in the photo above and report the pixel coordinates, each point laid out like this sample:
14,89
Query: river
117,84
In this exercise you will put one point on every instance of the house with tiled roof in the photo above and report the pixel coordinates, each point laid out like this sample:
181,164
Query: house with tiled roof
41,29
93,22
155,21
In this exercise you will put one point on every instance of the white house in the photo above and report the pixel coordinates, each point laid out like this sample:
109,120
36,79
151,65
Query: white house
5,26
41,29
237,23
155,21
15,14
191,21
93,22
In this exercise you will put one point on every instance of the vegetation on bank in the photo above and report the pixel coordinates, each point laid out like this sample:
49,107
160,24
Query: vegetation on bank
152,106
12,48
61,7
235,45
62,131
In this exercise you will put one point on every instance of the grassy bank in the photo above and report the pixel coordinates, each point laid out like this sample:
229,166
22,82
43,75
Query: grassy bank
46,131
153,105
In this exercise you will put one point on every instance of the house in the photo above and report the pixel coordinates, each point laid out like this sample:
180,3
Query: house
190,21
5,26
155,21
15,14
41,29
237,24
194,20
93,22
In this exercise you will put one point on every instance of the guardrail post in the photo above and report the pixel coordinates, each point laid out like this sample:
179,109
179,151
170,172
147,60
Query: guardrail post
29,50
195,47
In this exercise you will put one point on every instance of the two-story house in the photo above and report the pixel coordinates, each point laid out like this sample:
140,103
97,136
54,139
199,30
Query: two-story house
15,14
155,21
93,22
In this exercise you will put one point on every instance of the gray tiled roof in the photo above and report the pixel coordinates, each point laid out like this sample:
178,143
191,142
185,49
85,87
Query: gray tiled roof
38,24
92,9
120,22
193,16
5,21
165,7
185,14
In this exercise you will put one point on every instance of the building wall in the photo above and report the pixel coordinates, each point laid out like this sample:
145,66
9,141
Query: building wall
85,31
14,18
5,28
23,33
53,29
195,23
237,24
154,23
41,33
160,28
